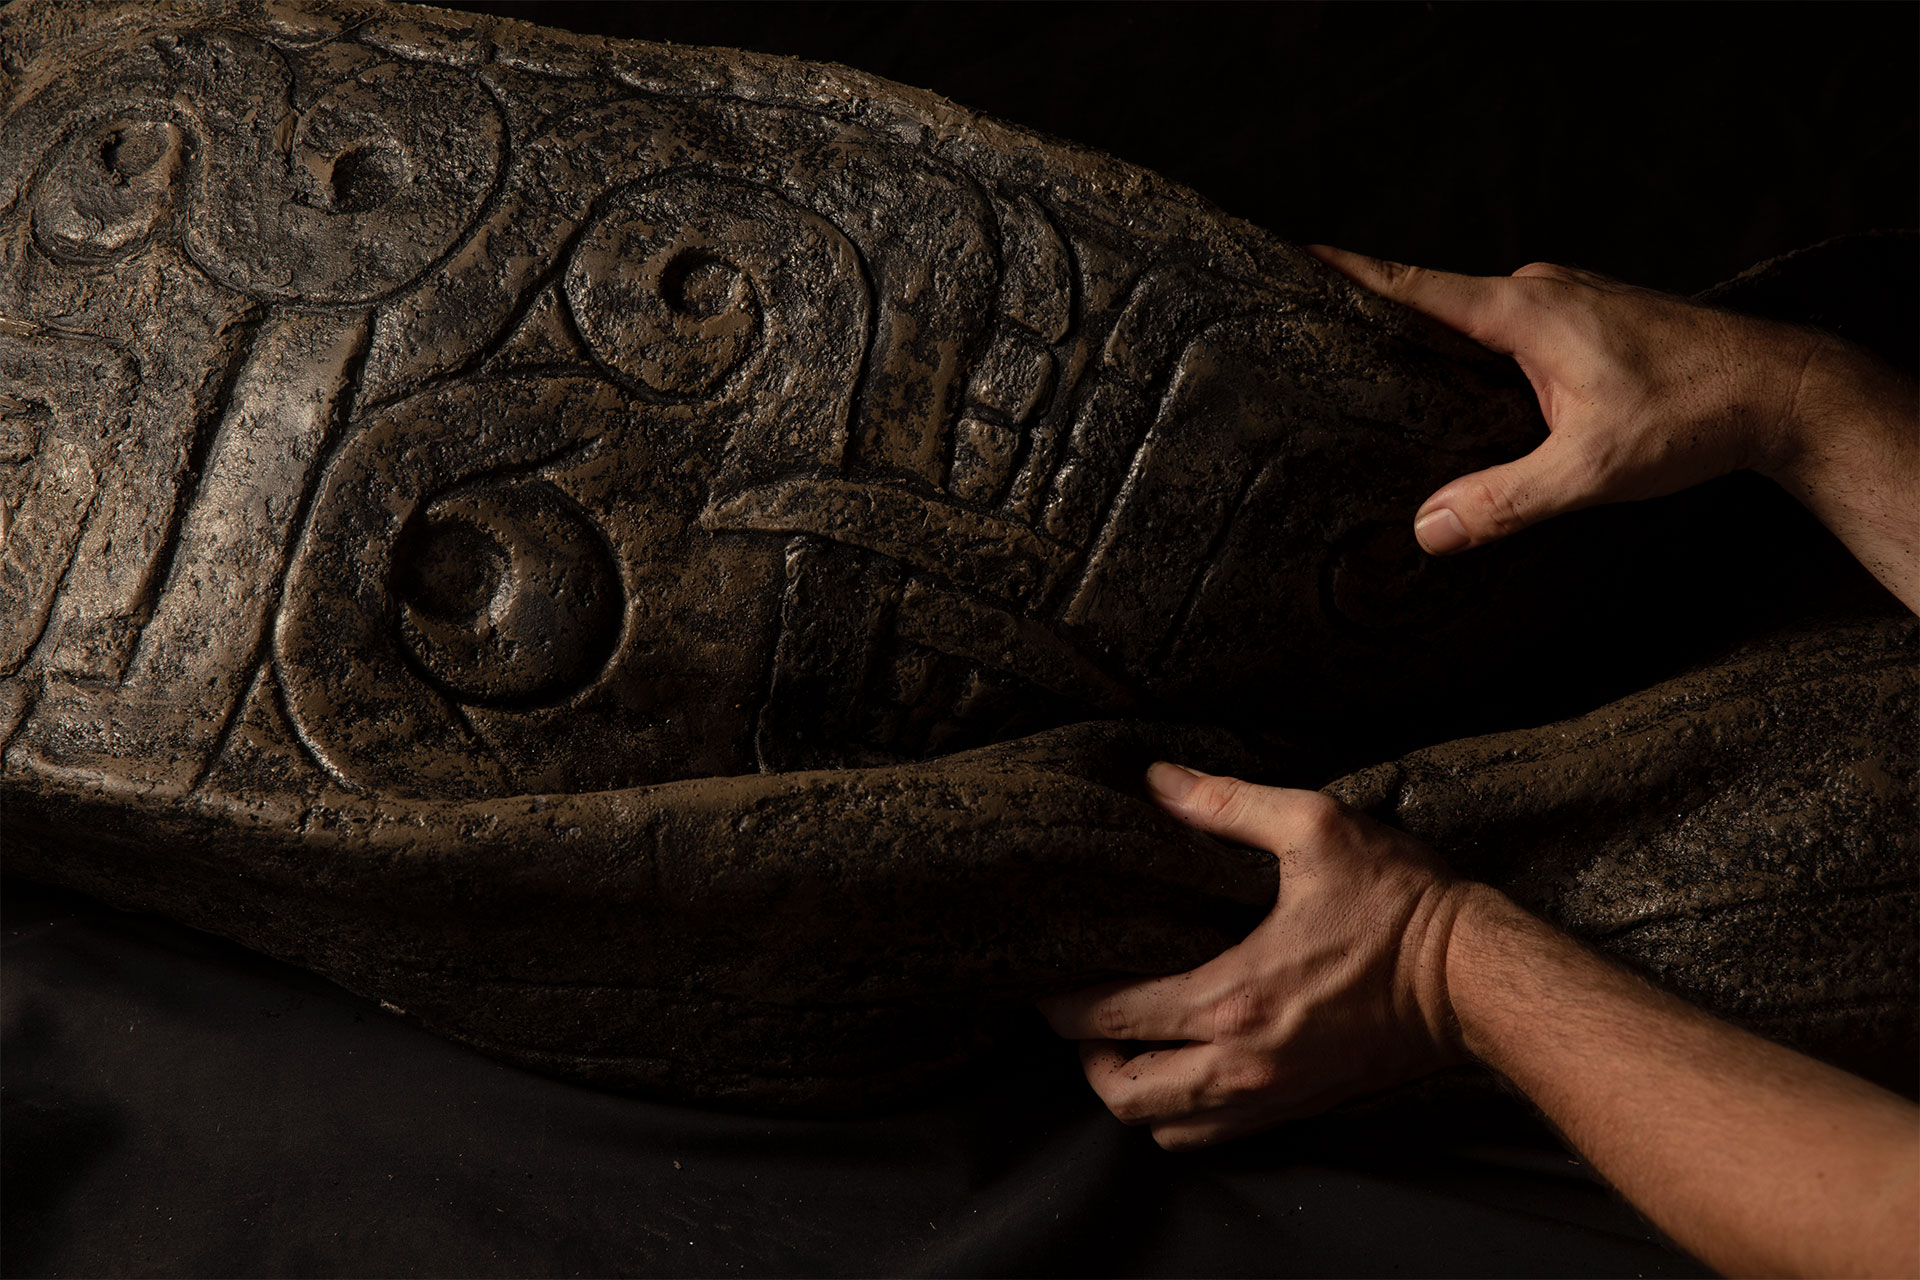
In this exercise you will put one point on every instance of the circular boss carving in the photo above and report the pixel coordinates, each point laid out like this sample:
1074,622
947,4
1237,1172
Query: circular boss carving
507,593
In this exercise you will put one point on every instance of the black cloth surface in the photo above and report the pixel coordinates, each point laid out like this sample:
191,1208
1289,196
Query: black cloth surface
177,1106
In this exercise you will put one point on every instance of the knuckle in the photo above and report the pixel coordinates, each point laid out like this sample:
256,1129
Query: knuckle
1129,1109
1498,505
1222,800
1590,461
1237,1014
1192,1135
1112,1022
1247,1079
1546,301
1172,1139
1514,311
1319,815
1399,277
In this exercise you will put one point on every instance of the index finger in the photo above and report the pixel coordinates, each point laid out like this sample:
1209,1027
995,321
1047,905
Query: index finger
1146,1009
1470,304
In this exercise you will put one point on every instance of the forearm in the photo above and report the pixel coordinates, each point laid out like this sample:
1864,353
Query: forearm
1853,459
1756,1159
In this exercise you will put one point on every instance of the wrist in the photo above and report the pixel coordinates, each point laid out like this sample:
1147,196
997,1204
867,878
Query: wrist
1483,938
1841,403
1771,378
1450,908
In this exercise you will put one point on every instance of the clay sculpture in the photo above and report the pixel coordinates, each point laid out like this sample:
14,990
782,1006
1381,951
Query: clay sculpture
666,564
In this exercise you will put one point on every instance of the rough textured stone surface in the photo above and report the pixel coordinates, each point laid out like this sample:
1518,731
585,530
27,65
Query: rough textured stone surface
531,528
1744,834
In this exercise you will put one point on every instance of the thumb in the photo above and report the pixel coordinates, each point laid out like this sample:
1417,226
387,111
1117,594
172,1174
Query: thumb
1486,506
1244,812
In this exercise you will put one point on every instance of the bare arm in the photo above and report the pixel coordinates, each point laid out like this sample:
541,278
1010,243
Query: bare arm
1757,1160
1376,965
1645,394
1854,461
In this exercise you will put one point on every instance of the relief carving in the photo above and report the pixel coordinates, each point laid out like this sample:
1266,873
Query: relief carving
666,564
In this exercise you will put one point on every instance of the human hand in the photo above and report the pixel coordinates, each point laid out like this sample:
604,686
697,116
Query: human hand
1340,991
1644,393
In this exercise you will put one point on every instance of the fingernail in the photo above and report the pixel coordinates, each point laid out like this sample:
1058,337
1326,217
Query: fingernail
1441,532
1170,780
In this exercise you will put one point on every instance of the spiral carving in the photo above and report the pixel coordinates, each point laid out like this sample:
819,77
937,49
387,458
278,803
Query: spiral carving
684,285
446,570
374,181
339,197
109,185
473,579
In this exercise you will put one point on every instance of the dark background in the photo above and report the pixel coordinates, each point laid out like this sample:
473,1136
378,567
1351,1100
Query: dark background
1672,145
176,1106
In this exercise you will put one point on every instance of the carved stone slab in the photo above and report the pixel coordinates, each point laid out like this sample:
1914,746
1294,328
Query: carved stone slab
521,524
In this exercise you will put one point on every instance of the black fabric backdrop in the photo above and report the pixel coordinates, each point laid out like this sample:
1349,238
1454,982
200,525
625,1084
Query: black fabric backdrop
174,1105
